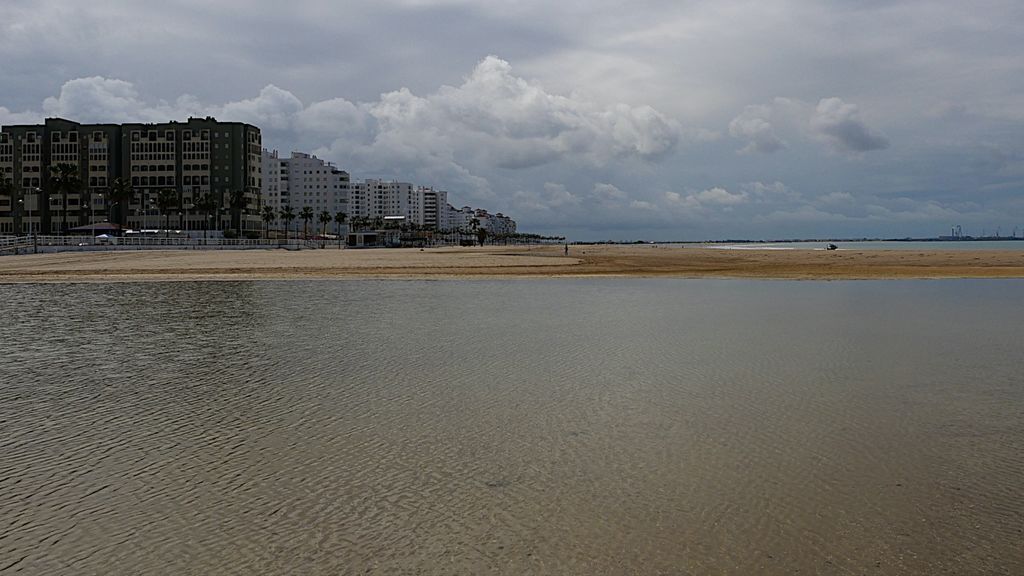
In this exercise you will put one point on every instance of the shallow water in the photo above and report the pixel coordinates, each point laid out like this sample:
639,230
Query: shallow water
548,427
876,245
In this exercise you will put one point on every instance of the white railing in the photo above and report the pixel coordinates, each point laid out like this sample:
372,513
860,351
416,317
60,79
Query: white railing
49,243
15,245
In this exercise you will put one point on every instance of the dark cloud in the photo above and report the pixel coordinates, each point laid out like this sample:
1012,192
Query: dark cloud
591,116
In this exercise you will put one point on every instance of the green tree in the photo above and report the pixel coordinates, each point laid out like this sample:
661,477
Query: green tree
306,214
268,217
121,195
287,214
207,206
165,200
481,235
64,180
339,219
237,203
325,219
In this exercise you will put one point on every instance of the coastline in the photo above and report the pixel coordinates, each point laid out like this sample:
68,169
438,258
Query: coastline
498,262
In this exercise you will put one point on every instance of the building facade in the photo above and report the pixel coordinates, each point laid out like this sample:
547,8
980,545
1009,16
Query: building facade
435,208
198,160
303,180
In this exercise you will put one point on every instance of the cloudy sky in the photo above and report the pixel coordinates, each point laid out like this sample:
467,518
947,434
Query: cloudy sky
652,119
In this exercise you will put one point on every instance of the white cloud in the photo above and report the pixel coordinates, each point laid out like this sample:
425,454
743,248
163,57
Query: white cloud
754,126
771,192
273,109
608,193
705,200
839,124
8,117
834,122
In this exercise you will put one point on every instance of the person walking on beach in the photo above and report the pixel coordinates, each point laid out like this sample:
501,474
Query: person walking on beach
567,249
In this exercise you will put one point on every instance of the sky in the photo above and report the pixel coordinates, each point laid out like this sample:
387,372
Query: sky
597,120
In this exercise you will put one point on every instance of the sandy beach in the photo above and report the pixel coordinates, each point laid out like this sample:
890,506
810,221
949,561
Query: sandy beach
508,262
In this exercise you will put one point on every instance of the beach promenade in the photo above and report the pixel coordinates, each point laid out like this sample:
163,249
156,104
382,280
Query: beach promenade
508,262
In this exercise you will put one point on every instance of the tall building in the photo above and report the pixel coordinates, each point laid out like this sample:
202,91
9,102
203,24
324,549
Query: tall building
379,198
194,158
304,180
435,204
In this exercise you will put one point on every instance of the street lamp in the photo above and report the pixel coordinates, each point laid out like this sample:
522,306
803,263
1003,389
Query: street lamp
185,208
21,212
92,215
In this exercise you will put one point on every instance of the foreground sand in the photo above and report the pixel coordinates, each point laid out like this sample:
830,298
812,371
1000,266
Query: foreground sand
505,262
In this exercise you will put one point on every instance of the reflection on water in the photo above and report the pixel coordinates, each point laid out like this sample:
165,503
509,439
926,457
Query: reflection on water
607,426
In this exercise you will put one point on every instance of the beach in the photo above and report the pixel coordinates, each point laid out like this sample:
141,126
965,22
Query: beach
509,262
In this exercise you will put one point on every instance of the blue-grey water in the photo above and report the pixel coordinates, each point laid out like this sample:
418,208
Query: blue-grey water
876,245
515,427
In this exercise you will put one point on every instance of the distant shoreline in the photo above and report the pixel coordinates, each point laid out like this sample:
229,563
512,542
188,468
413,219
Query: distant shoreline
639,261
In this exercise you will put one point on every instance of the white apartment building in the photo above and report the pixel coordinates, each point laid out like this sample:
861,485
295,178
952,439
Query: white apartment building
373,198
495,224
435,208
460,218
304,180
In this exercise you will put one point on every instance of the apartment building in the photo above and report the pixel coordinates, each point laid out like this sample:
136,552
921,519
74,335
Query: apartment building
194,158
465,217
373,198
495,224
435,203
303,180
460,218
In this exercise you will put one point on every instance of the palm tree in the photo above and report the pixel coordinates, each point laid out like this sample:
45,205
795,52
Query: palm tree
206,206
325,218
64,179
287,214
481,235
268,216
122,194
339,219
237,203
306,215
165,200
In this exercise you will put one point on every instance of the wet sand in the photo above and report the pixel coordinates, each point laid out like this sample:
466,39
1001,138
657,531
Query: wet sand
508,262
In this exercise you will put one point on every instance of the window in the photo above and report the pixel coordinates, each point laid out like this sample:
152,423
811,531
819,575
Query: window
169,135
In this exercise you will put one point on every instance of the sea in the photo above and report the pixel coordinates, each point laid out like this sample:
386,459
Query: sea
920,246
563,426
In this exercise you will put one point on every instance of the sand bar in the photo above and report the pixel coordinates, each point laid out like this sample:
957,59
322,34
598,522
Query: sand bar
508,262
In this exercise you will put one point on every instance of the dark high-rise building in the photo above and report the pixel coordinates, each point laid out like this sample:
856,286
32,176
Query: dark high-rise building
193,159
